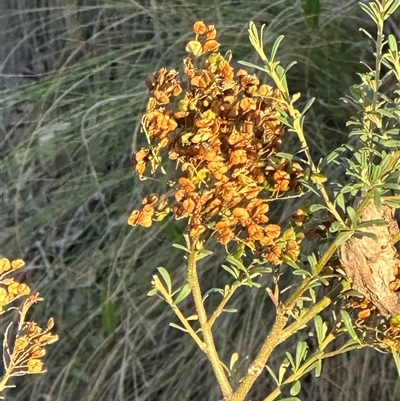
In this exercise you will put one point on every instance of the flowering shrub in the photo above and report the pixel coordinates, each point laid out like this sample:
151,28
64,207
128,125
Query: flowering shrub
23,345
223,131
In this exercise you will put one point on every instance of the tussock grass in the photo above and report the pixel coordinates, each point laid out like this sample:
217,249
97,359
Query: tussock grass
72,96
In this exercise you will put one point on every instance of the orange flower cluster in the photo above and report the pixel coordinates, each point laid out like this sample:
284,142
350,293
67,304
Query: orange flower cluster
30,341
10,290
29,346
372,326
223,133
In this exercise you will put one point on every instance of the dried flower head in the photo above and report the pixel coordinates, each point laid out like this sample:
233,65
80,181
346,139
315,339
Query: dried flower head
221,128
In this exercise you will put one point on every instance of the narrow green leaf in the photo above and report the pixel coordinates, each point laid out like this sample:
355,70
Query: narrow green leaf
301,272
318,368
247,64
282,370
236,262
290,399
275,47
315,207
280,71
340,201
368,10
320,330
165,275
203,254
272,374
349,325
344,236
178,327
393,8
308,105
301,352
309,186
179,246
232,271
377,200
352,216
290,359
183,293
290,65
370,223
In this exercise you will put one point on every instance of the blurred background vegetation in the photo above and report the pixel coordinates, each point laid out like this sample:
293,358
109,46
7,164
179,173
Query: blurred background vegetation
72,84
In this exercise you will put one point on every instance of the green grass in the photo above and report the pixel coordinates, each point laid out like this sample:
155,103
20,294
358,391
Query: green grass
67,188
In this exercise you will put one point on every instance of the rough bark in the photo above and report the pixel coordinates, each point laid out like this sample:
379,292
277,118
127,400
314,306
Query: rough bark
373,264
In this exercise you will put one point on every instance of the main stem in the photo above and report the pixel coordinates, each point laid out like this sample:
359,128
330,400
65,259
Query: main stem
208,338
271,342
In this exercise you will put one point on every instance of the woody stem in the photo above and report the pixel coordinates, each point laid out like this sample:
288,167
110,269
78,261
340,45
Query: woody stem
208,338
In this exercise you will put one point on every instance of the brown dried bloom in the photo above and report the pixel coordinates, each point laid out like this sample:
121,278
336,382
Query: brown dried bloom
223,132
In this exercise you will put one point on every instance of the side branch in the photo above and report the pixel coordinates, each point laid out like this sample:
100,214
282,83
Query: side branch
209,349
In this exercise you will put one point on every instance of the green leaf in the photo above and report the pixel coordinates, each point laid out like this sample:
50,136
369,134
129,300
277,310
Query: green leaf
234,359
301,352
377,200
236,262
203,253
183,293
349,325
320,329
179,246
309,186
247,64
290,65
295,388
368,10
308,105
152,292
315,207
235,273
275,47
318,368
352,216
301,272
282,370
392,43
280,72
370,223
290,399
272,374
178,327
393,8
165,275
344,236
290,359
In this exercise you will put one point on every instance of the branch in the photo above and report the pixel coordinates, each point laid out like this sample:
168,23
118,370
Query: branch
209,349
